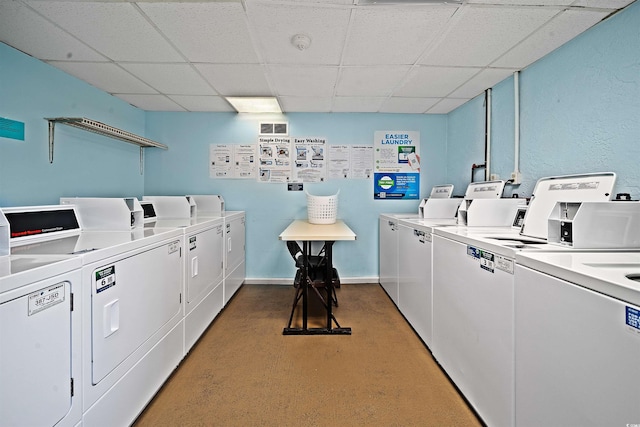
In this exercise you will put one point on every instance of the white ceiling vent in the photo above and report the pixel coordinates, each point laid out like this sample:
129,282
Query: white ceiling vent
276,128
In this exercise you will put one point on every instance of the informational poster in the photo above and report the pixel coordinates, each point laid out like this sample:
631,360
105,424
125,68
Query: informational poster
361,161
291,159
244,161
339,163
397,165
350,162
220,161
232,161
310,164
275,159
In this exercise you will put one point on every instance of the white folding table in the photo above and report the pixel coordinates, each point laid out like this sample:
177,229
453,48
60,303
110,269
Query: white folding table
302,230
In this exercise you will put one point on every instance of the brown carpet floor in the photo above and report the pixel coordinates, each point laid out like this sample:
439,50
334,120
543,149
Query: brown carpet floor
244,372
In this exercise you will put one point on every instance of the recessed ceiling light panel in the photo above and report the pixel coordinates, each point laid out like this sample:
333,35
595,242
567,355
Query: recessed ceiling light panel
405,2
245,104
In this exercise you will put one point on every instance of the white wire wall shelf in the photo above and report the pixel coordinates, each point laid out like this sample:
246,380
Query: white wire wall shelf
102,129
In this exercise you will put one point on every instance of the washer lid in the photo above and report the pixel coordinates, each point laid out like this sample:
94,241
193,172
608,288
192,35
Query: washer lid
548,191
441,191
484,190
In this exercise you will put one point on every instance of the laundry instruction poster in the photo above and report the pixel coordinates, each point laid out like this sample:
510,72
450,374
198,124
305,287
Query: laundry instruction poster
275,159
232,161
396,165
310,164
220,161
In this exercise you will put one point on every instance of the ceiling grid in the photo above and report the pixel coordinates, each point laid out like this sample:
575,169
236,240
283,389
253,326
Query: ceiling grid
403,57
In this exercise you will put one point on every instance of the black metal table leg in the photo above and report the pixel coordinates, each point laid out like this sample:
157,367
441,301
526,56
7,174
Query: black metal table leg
328,284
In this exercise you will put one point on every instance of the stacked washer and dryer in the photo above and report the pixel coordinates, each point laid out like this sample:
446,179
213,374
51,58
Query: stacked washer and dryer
127,293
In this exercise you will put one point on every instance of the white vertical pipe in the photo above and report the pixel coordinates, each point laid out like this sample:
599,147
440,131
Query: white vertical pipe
516,97
487,170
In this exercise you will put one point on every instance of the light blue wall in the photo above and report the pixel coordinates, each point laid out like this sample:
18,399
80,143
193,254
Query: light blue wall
84,163
579,113
466,128
580,110
183,169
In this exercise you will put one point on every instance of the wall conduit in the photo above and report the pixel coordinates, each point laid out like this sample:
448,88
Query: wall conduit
487,135
516,148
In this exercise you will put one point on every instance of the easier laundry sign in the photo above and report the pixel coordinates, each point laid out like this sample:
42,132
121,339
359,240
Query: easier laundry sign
397,165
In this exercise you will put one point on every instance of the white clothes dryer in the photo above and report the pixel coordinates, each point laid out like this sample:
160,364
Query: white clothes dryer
203,243
234,252
40,340
132,333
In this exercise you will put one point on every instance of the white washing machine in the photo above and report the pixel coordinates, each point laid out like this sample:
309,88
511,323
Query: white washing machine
414,252
473,291
40,340
577,339
203,243
132,333
388,255
438,206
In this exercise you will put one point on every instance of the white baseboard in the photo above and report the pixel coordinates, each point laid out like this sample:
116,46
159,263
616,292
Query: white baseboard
288,281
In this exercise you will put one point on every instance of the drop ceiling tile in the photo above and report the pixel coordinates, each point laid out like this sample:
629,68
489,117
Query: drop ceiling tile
335,2
104,75
292,104
558,31
236,79
408,105
609,4
202,103
275,24
480,34
524,2
116,30
151,102
393,35
303,81
346,104
29,32
174,79
370,81
485,79
434,82
446,105
205,32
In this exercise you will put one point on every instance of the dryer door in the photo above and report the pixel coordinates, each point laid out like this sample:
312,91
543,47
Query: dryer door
35,355
204,264
133,297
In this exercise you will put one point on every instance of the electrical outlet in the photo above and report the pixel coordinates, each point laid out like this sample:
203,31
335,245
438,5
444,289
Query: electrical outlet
516,178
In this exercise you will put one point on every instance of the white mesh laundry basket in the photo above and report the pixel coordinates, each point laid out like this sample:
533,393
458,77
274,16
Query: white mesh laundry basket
322,209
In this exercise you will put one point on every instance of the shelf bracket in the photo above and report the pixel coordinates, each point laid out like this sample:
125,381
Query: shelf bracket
141,160
52,126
